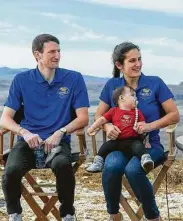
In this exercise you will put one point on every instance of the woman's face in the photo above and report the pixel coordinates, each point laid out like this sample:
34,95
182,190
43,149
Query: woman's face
132,64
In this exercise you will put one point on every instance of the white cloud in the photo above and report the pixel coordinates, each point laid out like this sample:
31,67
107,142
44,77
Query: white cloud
59,16
171,63
160,43
7,29
78,32
173,6
5,24
96,63
88,35
16,56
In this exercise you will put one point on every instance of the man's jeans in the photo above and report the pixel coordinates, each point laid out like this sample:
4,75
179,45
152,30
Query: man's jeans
117,164
22,159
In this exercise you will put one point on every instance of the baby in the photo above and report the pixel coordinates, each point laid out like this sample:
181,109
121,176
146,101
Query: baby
125,116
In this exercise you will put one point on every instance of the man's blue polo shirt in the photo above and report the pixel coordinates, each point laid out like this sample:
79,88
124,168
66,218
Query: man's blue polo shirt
151,93
47,107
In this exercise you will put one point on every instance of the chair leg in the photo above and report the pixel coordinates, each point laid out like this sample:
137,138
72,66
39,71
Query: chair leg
45,199
54,199
49,203
47,207
33,204
139,214
161,175
128,209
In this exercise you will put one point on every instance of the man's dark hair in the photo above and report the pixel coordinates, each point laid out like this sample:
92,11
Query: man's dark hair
38,42
120,91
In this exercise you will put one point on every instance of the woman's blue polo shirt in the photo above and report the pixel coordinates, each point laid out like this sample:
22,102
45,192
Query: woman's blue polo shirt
151,92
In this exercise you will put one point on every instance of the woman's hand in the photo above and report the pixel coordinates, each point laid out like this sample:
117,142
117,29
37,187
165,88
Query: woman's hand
143,127
112,131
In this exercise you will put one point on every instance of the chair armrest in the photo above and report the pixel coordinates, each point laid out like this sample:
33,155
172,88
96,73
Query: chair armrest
171,128
3,131
11,140
80,133
94,142
171,139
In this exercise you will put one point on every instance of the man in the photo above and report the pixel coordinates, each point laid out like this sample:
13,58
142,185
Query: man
49,94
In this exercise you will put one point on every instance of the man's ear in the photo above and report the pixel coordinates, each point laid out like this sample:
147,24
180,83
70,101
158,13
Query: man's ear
37,55
118,65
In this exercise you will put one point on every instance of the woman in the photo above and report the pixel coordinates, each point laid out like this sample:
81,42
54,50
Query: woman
153,95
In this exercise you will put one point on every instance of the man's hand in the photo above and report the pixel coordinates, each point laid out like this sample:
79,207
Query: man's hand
33,140
112,131
53,141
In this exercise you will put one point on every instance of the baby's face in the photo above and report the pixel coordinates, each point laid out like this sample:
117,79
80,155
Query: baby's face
129,98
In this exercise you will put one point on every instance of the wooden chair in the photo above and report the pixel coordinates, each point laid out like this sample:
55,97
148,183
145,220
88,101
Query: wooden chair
48,199
169,157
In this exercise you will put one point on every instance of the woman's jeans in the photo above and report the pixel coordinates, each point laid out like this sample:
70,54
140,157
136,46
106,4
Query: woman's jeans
117,164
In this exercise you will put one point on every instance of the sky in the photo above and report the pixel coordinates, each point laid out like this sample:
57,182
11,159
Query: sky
88,31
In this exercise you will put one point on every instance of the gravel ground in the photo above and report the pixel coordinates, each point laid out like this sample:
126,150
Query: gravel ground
89,199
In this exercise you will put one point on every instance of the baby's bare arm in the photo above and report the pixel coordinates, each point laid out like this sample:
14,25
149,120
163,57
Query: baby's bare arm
96,125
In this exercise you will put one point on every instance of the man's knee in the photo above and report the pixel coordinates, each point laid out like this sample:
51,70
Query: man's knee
60,162
12,173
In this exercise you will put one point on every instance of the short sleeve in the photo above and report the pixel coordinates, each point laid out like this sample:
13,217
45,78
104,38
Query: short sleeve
141,116
80,98
109,114
163,93
105,94
14,99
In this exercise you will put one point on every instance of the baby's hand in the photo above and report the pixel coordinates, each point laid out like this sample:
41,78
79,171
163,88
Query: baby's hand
90,131
147,145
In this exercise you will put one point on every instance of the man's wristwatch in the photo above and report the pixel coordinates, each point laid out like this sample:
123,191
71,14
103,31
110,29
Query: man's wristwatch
63,130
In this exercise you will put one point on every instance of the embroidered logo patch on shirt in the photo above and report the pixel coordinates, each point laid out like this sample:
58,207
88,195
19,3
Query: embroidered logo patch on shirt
145,93
126,120
62,91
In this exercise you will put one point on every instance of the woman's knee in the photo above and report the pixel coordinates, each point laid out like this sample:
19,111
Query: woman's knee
115,162
134,169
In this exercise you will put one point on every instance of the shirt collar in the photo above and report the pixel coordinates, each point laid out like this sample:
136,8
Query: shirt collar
40,78
141,82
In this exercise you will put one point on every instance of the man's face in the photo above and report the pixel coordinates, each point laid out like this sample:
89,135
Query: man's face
50,56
